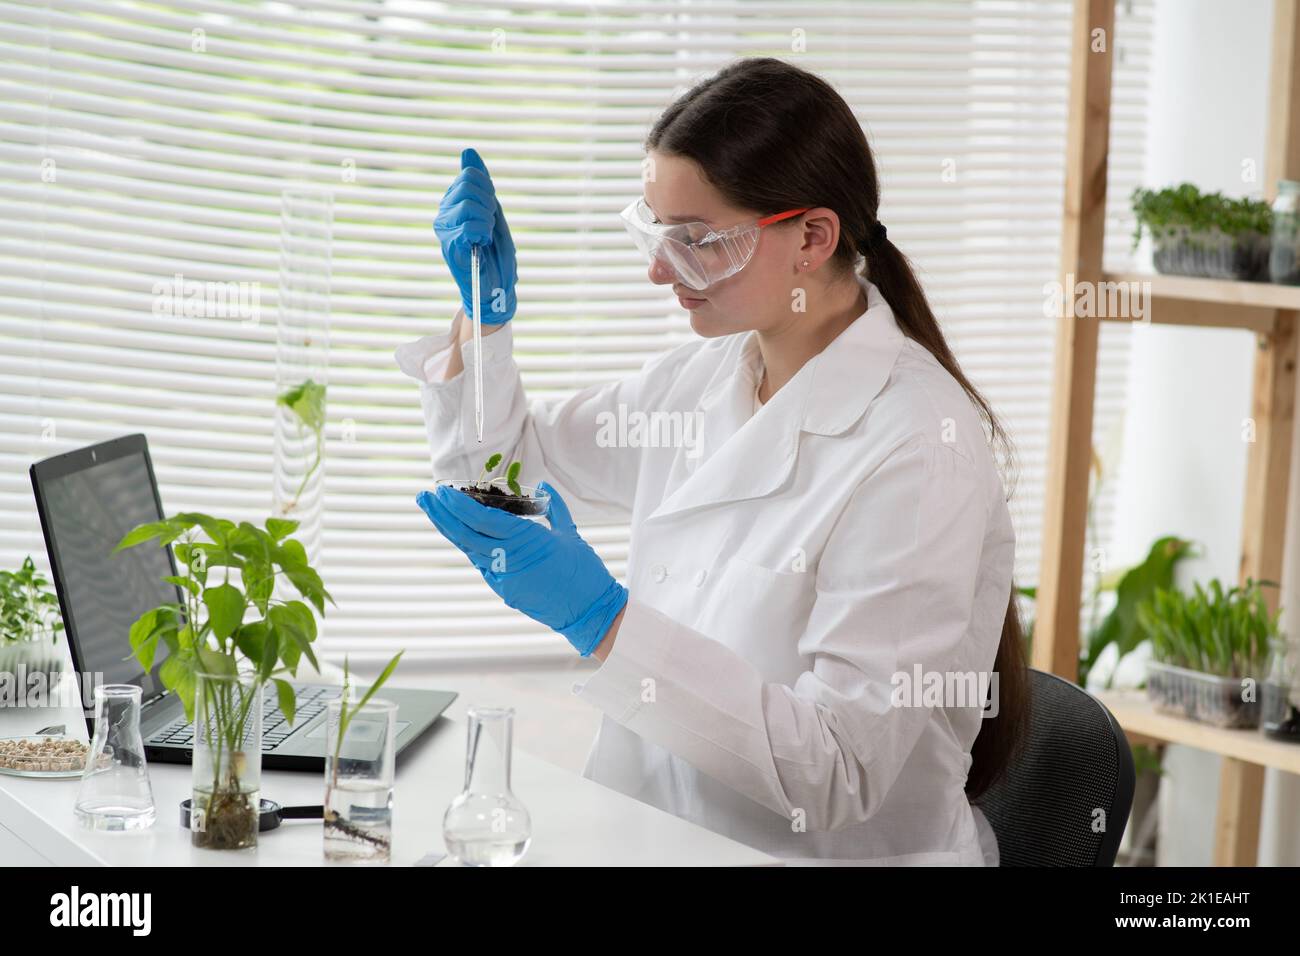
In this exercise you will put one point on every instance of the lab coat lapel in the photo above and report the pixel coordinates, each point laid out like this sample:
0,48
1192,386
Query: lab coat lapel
744,456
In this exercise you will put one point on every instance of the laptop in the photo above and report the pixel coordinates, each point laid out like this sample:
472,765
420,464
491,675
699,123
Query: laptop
88,500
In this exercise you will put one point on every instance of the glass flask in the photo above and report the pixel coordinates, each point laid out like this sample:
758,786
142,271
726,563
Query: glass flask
1284,257
115,792
227,772
486,824
1279,714
359,761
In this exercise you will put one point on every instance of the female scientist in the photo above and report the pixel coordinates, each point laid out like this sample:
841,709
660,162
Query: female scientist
831,541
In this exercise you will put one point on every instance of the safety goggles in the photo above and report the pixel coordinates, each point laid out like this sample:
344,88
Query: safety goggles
698,254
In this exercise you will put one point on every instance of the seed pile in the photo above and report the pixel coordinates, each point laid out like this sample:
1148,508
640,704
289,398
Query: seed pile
42,755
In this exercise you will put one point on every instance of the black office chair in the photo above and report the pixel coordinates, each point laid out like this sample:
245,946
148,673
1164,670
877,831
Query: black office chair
1076,759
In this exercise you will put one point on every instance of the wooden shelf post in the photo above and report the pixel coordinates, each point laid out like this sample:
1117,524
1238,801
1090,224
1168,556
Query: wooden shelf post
1056,624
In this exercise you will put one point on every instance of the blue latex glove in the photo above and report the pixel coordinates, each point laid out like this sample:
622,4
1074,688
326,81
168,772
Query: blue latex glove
551,574
470,214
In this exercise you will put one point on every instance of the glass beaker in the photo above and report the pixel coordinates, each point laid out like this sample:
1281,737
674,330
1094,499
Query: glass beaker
115,792
227,772
359,755
486,824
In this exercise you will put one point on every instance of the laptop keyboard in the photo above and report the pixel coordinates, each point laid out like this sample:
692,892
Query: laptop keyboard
312,700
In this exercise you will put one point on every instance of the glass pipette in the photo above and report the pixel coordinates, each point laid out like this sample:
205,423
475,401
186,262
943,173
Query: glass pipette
478,341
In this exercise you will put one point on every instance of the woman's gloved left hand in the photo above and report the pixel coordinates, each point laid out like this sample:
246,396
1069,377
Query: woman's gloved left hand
550,574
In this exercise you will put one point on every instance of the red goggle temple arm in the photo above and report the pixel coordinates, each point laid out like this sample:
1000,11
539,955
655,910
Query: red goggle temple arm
781,215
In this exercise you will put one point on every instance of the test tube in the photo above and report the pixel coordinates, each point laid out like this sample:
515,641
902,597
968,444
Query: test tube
478,342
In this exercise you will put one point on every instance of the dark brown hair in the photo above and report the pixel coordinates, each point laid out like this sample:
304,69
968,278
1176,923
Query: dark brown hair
770,136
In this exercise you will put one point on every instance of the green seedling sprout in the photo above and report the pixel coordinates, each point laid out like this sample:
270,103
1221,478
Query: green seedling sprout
307,403
489,466
1165,210
512,473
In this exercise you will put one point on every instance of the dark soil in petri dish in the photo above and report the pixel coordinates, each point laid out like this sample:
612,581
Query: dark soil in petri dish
494,497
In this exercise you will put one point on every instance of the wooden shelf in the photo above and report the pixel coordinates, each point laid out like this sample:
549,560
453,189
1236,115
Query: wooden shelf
1270,311
1213,303
1210,302
1136,715
1259,295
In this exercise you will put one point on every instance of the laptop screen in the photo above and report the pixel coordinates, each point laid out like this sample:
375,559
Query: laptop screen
87,511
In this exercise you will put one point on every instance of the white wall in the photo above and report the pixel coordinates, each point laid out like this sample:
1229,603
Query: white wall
1184,462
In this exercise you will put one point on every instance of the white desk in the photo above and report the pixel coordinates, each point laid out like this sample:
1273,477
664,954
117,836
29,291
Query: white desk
575,822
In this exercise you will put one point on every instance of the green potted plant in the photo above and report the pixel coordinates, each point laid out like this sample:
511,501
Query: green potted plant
503,492
1119,627
226,639
30,623
1204,234
1209,648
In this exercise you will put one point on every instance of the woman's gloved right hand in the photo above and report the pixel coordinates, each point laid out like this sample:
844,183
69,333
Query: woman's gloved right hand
470,214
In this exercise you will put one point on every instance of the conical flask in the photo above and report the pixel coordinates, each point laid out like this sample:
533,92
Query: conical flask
115,793
486,824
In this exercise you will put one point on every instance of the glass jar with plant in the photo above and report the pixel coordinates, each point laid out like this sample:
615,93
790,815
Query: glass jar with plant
30,623
1204,234
359,770
226,638
514,498
1210,651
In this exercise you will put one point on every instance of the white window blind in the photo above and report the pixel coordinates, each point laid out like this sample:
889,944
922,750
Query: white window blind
139,140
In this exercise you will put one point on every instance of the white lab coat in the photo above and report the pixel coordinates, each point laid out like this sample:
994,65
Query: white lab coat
782,570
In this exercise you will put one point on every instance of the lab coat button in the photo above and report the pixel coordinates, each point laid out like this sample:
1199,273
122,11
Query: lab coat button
700,575
658,572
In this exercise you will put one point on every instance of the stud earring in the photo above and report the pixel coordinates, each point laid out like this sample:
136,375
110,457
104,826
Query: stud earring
805,263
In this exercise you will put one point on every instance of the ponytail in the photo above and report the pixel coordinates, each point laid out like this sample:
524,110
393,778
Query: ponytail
1000,737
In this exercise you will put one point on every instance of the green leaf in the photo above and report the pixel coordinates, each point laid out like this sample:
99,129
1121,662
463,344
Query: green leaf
259,583
225,606
294,620
280,528
188,584
251,639
307,402
512,477
215,662
379,681
291,554
269,657
492,463
187,554
288,702
291,654
1120,626
218,529
218,555
142,533
309,585
146,631
178,675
